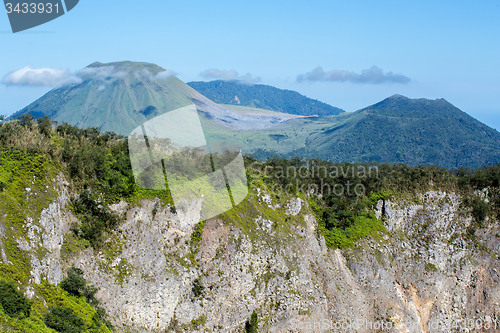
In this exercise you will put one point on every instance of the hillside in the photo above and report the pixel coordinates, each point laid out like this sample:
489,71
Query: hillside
120,96
420,131
398,129
112,97
407,248
263,97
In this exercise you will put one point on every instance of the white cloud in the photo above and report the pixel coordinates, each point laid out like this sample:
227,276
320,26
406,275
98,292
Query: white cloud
40,77
101,73
374,75
53,77
165,75
228,75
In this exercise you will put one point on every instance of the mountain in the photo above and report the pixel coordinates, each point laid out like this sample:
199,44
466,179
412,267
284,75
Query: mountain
397,129
412,131
83,249
120,96
263,97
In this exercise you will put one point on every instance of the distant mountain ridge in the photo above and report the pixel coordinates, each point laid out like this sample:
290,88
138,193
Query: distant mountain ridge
121,96
397,129
263,97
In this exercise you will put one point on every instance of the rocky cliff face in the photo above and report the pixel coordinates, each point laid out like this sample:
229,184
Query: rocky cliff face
423,275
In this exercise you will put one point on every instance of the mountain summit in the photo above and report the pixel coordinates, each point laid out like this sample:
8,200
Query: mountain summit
401,106
120,96
397,129
115,97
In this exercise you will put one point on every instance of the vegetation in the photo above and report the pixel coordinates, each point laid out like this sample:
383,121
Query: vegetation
77,286
13,302
64,320
197,288
198,322
96,219
263,97
398,130
342,196
252,324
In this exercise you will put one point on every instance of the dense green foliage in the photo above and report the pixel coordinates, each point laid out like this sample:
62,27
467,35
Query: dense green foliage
96,219
76,285
263,97
64,320
13,302
343,195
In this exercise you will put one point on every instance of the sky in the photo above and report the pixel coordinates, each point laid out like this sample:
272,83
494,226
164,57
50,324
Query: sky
349,54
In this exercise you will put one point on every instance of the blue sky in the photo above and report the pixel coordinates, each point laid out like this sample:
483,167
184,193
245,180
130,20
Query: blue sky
446,49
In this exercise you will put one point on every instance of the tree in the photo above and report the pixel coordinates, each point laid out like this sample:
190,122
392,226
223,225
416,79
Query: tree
26,120
74,284
64,320
44,126
13,301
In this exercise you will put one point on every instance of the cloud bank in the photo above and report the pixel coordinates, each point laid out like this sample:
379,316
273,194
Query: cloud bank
373,75
40,77
101,73
53,77
163,75
217,74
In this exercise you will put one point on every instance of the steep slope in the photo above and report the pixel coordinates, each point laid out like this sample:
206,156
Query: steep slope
264,97
120,96
112,97
398,129
412,131
428,262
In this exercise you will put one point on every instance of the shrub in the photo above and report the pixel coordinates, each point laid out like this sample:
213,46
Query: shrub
197,288
14,302
252,324
45,126
200,321
479,210
74,284
64,320
430,267
96,218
